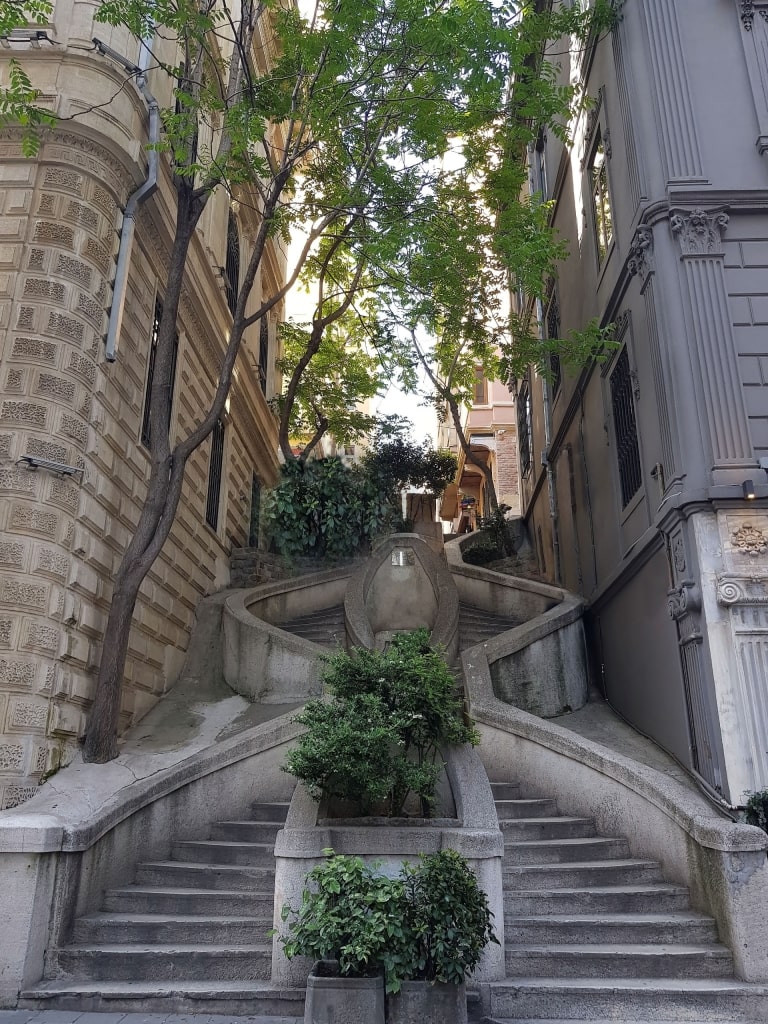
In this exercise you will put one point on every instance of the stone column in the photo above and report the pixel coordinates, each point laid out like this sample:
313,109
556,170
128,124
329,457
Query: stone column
711,342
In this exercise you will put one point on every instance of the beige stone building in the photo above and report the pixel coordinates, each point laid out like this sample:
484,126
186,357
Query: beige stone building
62,533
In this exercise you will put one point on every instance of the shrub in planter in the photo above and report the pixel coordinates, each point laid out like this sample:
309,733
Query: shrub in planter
757,809
378,739
351,914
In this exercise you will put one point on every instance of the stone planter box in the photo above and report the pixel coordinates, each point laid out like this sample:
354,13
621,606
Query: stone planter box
332,999
425,1002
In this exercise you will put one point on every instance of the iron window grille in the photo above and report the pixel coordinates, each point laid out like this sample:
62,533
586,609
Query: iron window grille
601,198
553,331
625,429
214,475
524,428
146,436
263,352
232,267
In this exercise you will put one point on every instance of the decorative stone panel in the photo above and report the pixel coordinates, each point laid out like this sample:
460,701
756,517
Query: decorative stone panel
11,554
27,716
17,675
34,348
28,519
13,796
26,413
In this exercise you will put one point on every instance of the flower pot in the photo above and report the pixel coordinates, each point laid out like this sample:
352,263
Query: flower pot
334,999
427,1002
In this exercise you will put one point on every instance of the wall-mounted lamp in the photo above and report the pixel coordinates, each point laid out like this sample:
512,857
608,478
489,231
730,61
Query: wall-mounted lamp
32,36
748,490
32,462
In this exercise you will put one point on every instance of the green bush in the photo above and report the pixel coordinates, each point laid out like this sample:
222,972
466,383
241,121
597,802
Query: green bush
325,509
377,740
447,920
481,553
432,923
351,914
757,809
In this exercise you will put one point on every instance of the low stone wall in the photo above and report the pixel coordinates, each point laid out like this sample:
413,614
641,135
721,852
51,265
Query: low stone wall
250,567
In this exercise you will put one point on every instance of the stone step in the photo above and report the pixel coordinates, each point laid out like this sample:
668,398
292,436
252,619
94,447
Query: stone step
505,790
691,929
269,812
598,899
174,874
230,998
618,961
246,831
519,829
177,962
517,808
561,851
135,899
109,929
579,875
224,852
628,999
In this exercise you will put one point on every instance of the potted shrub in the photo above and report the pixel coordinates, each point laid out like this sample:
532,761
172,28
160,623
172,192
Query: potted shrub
376,742
447,925
351,922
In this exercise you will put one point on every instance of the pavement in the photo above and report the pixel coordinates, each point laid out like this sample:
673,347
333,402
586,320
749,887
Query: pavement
75,1017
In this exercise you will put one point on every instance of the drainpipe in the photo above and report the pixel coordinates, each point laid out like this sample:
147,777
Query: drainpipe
139,196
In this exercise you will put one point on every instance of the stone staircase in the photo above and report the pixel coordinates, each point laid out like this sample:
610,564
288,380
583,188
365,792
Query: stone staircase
189,936
325,627
593,934
476,625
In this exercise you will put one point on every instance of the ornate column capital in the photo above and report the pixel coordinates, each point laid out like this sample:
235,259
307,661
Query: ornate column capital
744,589
684,600
699,232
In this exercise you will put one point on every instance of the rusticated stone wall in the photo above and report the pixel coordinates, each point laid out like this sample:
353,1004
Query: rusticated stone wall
62,537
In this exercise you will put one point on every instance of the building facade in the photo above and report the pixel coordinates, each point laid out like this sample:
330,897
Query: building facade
641,476
62,533
490,425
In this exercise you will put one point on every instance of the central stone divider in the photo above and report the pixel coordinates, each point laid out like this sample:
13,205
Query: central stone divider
474,832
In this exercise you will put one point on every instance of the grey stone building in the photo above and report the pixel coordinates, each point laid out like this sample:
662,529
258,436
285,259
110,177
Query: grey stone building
643,477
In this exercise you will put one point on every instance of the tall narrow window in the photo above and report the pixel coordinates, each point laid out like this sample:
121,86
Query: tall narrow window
481,387
553,331
232,268
263,352
524,427
146,438
214,476
254,525
625,429
601,198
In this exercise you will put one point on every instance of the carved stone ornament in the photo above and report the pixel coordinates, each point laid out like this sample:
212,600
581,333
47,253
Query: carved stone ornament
748,13
748,540
699,231
678,553
749,590
641,252
684,600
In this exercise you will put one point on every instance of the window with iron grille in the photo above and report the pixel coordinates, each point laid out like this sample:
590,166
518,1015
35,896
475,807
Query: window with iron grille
524,427
263,352
215,468
232,268
146,438
625,429
553,331
601,198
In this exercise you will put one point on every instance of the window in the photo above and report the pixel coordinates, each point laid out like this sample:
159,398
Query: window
145,426
254,524
263,352
553,330
214,475
625,429
601,198
524,428
232,267
349,449
480,388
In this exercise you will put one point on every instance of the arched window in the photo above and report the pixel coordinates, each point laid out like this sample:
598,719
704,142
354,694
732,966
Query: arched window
232,267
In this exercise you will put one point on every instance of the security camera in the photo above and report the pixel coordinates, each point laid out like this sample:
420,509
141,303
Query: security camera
33,462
